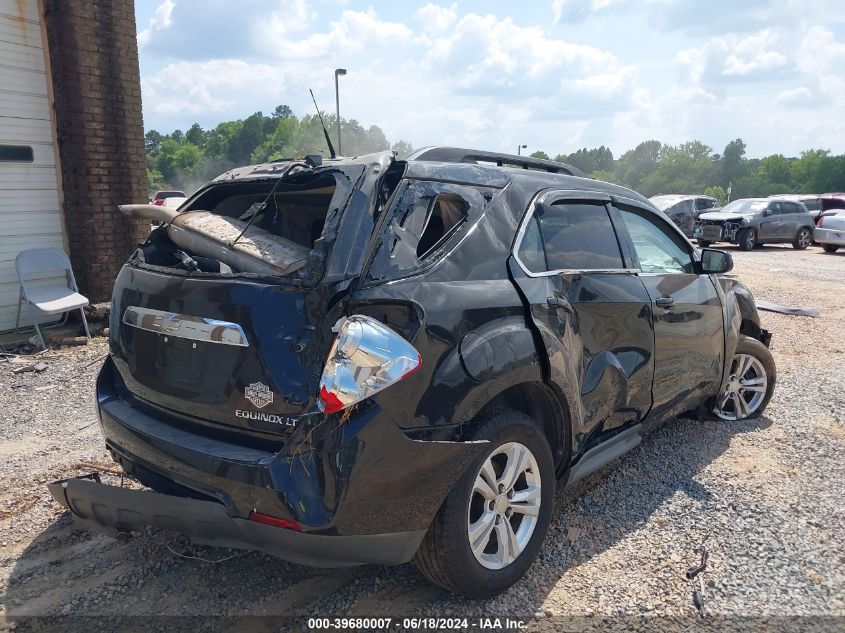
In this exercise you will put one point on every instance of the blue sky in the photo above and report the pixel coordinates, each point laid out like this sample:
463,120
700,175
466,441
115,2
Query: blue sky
555,75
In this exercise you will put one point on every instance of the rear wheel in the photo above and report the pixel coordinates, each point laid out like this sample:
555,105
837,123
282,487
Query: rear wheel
746,239
704,243
491,526
803,239
830,248
751,383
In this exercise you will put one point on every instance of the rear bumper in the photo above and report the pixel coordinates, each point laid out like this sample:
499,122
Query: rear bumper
829,236
361,491
114,511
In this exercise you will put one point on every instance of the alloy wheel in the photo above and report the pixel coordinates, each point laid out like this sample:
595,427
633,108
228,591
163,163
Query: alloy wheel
749,240
803,238
504,505
746,389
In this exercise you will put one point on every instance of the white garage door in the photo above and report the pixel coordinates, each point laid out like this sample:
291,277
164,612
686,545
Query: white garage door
29,200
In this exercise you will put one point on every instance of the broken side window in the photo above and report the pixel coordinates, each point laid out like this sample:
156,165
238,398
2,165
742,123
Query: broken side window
425,220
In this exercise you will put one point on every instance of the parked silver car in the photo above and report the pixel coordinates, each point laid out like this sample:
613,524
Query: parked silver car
830,231
754,221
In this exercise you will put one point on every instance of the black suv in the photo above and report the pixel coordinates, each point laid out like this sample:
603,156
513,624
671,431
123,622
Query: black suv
447,339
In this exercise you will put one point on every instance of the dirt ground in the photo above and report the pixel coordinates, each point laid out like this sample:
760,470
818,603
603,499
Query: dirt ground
764,495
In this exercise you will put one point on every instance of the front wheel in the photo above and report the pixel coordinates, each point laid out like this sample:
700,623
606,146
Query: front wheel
802,240
751,383
830,248
746,239
491,526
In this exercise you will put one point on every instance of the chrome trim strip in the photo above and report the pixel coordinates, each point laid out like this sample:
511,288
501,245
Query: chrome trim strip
193,328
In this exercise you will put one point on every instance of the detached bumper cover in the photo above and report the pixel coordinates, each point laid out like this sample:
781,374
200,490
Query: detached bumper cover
111,510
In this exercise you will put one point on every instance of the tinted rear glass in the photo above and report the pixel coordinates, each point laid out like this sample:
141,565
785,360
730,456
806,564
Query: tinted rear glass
578,236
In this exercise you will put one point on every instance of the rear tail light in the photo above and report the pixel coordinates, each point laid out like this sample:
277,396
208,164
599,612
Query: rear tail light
268,519
159,203
820,221
365,358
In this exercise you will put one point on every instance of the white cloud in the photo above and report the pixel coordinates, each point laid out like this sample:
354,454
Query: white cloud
354,33
195,88
162,19
738,57
436,18
486,56
576,10
821,57
290,16
796,97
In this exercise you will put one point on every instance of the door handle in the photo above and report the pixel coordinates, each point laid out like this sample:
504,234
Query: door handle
559,302
665,302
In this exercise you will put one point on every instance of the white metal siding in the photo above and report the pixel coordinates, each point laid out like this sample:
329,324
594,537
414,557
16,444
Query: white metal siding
29,198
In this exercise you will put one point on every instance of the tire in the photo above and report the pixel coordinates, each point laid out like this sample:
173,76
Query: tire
803,239
704,243
830,248
445,556
726,406
746,239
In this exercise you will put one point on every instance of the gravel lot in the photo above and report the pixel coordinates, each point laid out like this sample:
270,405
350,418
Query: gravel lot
764,496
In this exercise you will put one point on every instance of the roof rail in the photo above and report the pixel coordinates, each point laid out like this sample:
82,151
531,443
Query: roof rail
473,156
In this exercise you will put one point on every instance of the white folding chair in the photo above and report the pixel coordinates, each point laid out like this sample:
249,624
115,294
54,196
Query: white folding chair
54,298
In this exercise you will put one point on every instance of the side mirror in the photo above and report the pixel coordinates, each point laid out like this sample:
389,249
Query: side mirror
714,261
767,212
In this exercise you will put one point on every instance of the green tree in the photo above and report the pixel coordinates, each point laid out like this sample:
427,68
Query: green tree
731,161
155,180
634,165
604,175
152,141
195,135
776,169
717,192
249,135
540,154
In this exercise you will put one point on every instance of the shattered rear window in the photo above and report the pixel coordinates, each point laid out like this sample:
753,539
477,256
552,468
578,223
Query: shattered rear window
424,222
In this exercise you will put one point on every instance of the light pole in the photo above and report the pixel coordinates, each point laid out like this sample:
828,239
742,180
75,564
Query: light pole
519,149
337,73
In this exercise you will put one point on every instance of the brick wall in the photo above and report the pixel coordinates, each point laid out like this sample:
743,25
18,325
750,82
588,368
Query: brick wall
97,91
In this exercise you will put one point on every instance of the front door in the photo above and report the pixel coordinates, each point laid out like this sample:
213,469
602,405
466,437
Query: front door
592,313
688,326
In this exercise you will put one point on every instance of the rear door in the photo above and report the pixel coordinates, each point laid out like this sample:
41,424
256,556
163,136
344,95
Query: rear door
592,313
688,322
792,216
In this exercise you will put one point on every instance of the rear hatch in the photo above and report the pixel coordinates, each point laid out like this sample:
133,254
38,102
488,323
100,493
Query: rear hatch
237,352
242,350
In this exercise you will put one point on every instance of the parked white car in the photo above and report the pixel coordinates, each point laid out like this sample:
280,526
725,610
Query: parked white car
830,231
